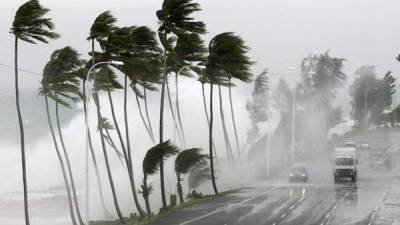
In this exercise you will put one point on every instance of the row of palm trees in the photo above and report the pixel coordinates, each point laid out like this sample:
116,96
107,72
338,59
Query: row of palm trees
145,65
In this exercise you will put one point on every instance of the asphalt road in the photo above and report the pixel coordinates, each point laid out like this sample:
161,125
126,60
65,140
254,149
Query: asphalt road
319,202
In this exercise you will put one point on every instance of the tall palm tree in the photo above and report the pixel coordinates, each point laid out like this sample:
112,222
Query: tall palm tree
228,145
31,26
99,31
55,74
184,162
151,164
226,56
138,49
188,50
82,73
175,17
65,89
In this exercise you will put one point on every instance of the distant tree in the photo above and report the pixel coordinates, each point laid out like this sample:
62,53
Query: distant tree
383,99
362,94
257,106
29,25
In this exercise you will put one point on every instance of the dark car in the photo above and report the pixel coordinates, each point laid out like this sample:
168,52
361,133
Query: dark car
298,173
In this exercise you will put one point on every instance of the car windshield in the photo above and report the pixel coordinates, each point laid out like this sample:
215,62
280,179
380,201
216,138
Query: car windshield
347,145
298,170
344,162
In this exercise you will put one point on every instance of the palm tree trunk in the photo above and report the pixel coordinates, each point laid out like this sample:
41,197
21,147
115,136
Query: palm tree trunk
21,133
71,177
211,141
161,129
147,113
234,120
145,194
226,137
128,145
112,144
179,187
173,115
71,207
96,168
143,119
103,145
208,119
178,111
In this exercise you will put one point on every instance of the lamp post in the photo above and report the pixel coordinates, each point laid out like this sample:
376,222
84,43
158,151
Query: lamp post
87,134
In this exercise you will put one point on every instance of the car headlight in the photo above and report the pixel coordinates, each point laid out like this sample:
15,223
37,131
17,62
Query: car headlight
290,175
303,175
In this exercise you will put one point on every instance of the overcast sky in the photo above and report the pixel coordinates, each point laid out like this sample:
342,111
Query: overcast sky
279,32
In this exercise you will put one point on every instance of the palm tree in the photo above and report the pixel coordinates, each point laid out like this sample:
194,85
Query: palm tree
99,31
82,73
174,18
226,56
137,48
30,26
184,162
64,86
228,145
151,164
188,50
54,76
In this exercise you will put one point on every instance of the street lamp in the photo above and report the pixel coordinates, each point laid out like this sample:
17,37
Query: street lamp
87,132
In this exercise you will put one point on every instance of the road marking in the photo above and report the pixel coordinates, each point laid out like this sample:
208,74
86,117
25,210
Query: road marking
375,211
224,208
330,213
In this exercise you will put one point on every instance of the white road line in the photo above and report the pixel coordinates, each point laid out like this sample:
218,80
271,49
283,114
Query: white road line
224,208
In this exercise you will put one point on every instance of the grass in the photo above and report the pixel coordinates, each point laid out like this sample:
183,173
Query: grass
187,204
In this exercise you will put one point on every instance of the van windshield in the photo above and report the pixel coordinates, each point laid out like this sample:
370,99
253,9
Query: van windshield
344,161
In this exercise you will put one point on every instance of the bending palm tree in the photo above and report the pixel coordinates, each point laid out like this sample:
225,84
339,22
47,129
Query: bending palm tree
226,55
188,50
137,48
30,26
101,28
65,87
174,17
58,81
184,162
82,73
151,164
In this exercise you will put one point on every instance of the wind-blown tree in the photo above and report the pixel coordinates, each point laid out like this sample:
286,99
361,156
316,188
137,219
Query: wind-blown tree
383,97
138,49
58,83
188,51
65,90
361,92
175,17
29,25
322,76
257,106
184,162
99,31
151,164
244,62
226,57
82,73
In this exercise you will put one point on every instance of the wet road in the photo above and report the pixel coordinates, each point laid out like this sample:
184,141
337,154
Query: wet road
319,202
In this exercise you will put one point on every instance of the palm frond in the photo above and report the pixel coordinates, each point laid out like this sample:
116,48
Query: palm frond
188,159
154,155
30,25
102,26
